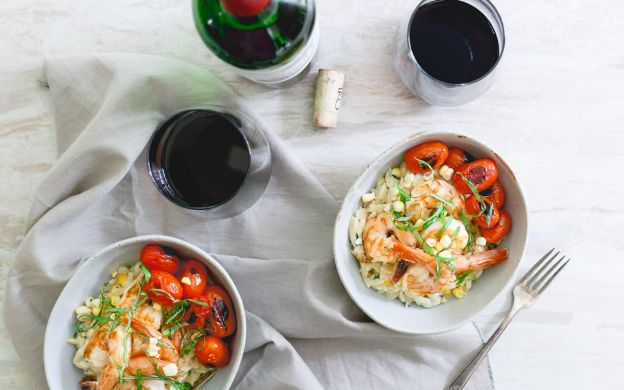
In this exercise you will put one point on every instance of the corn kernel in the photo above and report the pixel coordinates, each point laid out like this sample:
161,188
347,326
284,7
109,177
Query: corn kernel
157,307
446,292
459,292
122,278
114,274
115,300
445,241
82,310
431,242
481,241
438,247
368,197
398,206
446,172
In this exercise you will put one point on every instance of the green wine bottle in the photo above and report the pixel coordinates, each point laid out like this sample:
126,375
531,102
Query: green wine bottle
271,42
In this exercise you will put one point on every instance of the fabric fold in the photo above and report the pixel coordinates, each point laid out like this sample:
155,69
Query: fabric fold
304,332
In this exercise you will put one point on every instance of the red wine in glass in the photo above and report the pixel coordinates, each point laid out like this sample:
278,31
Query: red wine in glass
448,52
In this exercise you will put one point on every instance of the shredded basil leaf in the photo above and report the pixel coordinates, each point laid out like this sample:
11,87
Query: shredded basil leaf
425,164
488,216
403,195
443,200
455,233
462,277
433,217
470,229
146,272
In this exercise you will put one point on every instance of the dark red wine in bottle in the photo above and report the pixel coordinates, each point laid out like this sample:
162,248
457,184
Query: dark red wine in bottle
271,42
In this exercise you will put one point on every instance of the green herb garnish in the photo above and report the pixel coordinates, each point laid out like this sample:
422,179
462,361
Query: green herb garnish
488,215
443,200
446,222
425,164
146,273
403,195
462,277
433,217
470,229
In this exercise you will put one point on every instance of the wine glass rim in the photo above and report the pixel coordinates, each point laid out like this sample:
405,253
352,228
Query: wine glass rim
498,20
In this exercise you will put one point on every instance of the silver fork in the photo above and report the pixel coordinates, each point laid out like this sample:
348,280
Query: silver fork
525,293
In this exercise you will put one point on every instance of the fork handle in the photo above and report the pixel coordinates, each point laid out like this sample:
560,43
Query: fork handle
465,375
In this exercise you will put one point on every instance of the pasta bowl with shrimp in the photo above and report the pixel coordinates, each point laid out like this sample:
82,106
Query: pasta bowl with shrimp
150,312
430,233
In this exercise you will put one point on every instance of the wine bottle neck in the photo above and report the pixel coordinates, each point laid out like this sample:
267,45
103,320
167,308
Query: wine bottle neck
245,8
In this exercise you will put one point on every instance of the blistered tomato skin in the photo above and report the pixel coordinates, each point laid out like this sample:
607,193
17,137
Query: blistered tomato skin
197,276
499,231
458,157
221,318
497,194
212,351
474,208
161,258
163,288
481,173
433,153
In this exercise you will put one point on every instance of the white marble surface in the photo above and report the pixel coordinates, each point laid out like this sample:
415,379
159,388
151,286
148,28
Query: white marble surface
556,114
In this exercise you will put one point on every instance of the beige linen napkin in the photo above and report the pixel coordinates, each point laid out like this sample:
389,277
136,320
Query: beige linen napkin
304,331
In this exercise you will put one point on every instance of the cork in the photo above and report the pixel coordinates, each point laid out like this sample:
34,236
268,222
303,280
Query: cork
328,96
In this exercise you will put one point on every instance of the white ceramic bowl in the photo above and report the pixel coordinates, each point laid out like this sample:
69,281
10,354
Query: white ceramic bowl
61,374
414,319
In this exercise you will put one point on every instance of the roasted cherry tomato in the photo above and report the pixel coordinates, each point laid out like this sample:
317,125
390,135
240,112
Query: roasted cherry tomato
197,276
219,311
194,320
457,157
499,231
482,173
163,288
162,258
212,351
497,194
474,207
433,153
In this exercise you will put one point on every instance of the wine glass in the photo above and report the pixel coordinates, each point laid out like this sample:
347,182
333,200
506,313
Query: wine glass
424,79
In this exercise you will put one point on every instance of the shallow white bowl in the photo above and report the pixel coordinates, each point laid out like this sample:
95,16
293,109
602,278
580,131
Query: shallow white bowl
61,374
414,319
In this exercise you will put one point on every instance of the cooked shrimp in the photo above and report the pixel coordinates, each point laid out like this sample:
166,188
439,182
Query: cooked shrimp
460,239
481,260
119,351
167,349
423,283
110,377
149,316
423,202
379,236
96,349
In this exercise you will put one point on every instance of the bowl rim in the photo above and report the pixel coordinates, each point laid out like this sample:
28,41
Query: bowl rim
56,314
391,151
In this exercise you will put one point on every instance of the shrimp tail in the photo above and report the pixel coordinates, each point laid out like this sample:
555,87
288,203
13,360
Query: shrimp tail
409,254
479,261
400,267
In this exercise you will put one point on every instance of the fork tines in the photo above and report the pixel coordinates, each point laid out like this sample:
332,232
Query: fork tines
544,271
